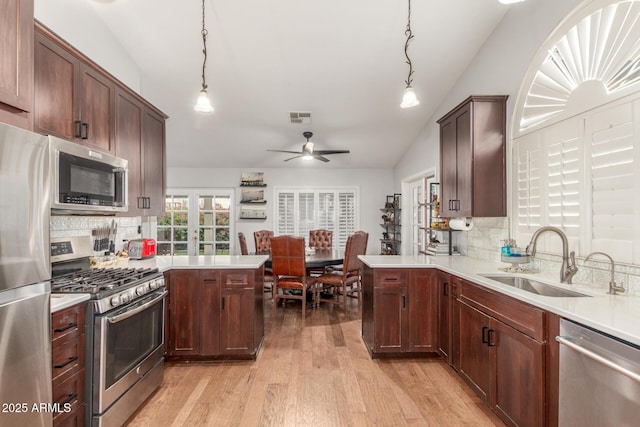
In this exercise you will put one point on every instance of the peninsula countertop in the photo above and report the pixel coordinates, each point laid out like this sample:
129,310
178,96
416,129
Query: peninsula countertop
616,315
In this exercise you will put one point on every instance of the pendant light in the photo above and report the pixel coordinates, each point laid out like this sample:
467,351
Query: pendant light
409,98
203,104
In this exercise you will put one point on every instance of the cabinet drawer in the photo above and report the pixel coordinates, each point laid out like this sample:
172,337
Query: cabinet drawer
67,356
68,322
74,418
390,277
519,315
233,279
209,276
69,394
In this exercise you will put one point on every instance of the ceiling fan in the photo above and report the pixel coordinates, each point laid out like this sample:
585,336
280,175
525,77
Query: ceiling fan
309,153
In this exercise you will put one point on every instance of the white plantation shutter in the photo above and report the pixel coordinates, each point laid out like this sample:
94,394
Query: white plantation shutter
306,215
528,184
302,210
564,143
613,182
588,168
346,217
285,214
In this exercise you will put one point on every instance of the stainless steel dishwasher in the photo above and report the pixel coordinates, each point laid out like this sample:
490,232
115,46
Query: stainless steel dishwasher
599,378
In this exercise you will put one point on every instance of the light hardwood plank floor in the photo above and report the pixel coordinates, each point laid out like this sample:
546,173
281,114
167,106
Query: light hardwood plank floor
316,375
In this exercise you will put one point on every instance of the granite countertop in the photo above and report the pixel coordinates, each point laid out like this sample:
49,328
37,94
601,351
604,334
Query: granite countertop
616,315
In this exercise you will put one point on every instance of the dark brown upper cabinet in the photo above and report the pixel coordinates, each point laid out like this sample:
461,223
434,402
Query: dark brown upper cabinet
16,62
473,158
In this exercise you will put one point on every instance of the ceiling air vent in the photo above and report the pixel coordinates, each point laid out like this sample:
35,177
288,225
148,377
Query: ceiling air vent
300,117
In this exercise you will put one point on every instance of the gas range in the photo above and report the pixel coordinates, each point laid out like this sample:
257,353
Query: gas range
111,287
124,329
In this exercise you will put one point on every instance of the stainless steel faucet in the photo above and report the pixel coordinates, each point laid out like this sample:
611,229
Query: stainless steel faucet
568,268
613,287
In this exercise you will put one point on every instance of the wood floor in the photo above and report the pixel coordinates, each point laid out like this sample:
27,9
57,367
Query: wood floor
317,375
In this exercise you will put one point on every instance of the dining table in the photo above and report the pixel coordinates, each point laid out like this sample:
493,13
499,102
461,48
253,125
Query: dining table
319,259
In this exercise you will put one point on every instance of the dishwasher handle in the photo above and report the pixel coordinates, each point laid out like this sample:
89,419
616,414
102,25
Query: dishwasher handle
568,341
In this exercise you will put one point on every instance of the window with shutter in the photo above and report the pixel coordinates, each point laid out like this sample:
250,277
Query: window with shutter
299,211
614,182
588,169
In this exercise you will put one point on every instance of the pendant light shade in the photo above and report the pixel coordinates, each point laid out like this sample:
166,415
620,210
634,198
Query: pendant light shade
409,98
203,104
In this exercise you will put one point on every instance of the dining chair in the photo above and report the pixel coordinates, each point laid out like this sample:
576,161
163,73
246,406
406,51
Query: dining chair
262,240
268,274
289,270
356,287
338,280
243,244
321,239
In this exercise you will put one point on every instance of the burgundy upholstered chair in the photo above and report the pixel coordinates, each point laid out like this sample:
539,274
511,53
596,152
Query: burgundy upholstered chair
338,280
289,270
262,240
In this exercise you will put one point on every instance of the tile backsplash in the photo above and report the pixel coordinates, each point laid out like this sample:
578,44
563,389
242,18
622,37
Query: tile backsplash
485,240
71,226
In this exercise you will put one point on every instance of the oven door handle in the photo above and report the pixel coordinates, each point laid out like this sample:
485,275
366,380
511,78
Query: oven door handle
128,314
600,359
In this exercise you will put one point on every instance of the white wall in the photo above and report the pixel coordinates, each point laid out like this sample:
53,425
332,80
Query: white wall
498,69
373,187
82,29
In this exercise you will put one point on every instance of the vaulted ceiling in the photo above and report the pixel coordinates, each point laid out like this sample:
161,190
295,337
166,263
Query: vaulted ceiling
343,61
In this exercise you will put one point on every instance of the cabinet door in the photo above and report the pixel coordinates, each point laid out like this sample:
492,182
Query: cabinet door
422,303
464,167
16,66
236,321
95,105
55,71
444,315
448,162
236,316
184,313
475,361
390,319
210,315
128,143
519,362
154,165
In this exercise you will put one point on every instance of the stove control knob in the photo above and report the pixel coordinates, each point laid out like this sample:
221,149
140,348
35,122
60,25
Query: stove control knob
153,285
141,290
115,301
125,298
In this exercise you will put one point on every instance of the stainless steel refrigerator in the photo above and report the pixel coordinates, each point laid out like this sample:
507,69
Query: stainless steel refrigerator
25,333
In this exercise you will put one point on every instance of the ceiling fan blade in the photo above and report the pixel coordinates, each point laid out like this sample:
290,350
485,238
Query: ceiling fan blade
322,152
285,151
294,157
319,157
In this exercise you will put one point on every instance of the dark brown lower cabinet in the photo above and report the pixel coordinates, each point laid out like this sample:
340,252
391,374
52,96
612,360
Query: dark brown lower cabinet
504,365
399,309
214,313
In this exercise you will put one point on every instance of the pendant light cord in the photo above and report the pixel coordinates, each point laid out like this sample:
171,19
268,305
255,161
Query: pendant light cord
409,35
204,49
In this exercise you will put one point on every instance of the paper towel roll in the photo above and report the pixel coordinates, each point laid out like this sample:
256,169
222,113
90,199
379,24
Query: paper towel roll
463,224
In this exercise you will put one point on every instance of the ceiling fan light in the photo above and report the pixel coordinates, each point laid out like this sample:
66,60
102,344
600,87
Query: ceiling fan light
409,98
510,1
203,104
307,157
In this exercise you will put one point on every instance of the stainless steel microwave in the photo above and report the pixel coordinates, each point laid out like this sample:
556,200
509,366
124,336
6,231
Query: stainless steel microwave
86,180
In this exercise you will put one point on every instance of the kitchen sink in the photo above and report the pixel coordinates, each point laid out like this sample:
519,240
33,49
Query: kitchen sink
534,286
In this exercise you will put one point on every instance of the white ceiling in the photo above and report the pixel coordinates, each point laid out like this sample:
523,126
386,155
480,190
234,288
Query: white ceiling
342,60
